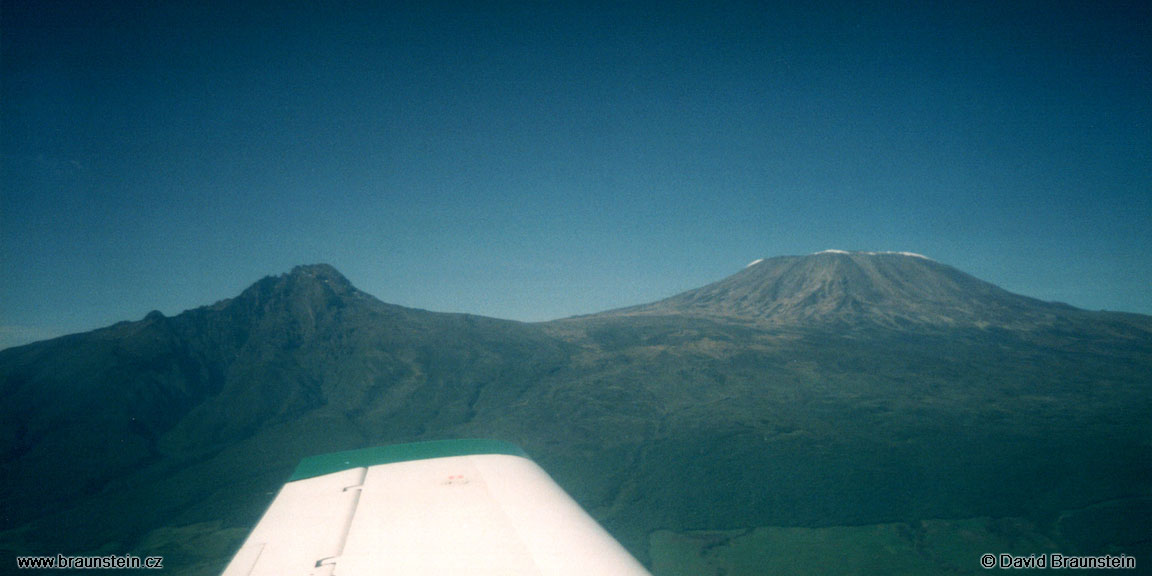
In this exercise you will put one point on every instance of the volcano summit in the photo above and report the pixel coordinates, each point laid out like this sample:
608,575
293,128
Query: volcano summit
839,288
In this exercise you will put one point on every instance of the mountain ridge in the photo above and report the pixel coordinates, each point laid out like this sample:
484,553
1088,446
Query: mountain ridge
150,434
771,291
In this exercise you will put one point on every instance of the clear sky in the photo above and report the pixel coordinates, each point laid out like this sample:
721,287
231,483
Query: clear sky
534,160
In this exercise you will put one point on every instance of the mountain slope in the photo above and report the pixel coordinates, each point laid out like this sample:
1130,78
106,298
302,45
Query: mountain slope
817,391
239,391
847,288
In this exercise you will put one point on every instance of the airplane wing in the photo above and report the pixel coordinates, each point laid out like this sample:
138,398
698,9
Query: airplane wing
476,507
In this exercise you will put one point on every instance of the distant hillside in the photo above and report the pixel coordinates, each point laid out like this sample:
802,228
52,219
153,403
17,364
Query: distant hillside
801,394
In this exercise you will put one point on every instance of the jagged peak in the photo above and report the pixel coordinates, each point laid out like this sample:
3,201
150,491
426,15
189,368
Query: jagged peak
322,272
302,283
318,274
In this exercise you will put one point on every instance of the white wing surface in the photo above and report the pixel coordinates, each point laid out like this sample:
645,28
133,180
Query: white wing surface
476,507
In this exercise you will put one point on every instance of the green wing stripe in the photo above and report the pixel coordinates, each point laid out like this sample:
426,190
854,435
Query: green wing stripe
336,461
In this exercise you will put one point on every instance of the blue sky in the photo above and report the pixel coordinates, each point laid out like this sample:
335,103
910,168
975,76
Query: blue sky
534,160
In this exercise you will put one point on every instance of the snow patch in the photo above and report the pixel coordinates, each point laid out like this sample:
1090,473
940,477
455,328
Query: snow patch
754,262
912,254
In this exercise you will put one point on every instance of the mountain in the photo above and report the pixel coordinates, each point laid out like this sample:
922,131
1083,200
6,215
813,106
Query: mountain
834,287
881,402
110,434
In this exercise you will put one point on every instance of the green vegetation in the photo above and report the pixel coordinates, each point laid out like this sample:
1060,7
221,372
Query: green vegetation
936,546
924,547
